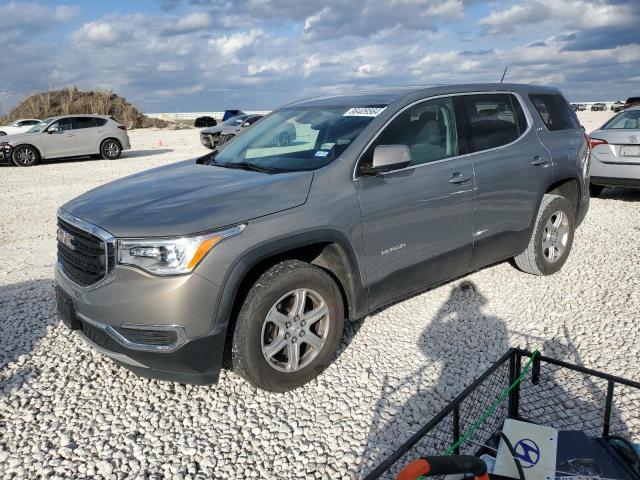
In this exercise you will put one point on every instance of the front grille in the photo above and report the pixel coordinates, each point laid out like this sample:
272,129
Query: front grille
225,138
81,255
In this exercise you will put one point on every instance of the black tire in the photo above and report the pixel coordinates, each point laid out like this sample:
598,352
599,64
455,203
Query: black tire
25,156
535,259
284,140
270,292
110,149
595,190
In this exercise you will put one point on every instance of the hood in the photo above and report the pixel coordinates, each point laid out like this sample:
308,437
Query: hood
186,197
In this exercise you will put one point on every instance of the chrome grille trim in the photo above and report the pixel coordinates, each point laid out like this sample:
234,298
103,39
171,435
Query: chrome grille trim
109,246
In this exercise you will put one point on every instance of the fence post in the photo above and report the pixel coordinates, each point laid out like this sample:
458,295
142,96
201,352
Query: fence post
514,373
456,428
607,409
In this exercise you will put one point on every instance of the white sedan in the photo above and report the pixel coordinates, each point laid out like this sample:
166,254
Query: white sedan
19,126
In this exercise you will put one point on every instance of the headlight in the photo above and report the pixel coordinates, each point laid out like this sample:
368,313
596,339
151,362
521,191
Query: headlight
171,256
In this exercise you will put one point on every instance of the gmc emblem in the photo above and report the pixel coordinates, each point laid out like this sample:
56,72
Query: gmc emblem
66,239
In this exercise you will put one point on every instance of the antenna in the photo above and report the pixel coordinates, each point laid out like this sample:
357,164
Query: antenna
504,73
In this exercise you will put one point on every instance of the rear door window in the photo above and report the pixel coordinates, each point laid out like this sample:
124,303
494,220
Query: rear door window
85,122
495,120
555,112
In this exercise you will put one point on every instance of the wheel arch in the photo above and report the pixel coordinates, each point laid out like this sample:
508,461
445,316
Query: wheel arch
327,249
38,149
568,188
102,140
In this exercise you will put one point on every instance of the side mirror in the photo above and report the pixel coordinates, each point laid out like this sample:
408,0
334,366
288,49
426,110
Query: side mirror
53,129
387,158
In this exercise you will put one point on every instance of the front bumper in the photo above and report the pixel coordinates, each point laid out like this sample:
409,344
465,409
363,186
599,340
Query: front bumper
209,140
5,153
182,306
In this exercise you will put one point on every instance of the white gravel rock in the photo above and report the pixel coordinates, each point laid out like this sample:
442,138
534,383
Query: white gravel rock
68,412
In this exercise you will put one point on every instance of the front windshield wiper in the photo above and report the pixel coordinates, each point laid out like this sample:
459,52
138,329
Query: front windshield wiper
245,166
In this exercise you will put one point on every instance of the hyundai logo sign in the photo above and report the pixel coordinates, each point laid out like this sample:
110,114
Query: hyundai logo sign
528,452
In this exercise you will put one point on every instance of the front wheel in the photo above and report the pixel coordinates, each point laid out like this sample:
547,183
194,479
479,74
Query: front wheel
25,156
110,149
288,328
551,239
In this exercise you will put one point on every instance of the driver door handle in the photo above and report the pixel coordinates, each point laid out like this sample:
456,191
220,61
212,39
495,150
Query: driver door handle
539,161
459,178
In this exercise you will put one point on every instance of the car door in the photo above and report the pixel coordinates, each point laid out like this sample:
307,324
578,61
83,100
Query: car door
58,139
417,221
512,171
85,131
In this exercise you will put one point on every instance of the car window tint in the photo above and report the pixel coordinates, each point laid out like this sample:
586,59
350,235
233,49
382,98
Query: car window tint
555,112
85,122
63,124
101,122
627,120
493,120
428,129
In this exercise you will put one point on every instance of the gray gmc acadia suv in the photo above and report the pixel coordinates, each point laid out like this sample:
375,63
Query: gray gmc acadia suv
256,254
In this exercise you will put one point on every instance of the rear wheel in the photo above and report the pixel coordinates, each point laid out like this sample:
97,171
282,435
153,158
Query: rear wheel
595,190
288,328
551,239
110,149
25,156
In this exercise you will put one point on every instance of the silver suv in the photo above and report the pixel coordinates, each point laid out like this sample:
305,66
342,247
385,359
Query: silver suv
260,251
66,136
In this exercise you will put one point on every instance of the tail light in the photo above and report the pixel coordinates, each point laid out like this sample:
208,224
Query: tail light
122,127
594,142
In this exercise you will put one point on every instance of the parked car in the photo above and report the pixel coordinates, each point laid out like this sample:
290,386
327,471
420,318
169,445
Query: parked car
213,137
202,122
264,252
66,136
19,126
615,152
599,107
581,107
617,106
632,102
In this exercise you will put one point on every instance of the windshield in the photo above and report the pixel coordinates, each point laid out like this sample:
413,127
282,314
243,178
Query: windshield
297,138
39,126
235,121
629,120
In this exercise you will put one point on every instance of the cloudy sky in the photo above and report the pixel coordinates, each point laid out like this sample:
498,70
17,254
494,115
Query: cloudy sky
205,55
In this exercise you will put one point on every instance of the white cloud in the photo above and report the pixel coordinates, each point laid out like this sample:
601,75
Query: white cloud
193,21
98,33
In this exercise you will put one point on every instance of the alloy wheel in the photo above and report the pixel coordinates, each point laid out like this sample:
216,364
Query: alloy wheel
295,330
555,236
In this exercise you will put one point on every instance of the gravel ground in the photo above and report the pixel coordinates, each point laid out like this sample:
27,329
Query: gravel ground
68,412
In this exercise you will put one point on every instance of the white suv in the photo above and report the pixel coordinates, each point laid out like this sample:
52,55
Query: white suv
19,126
66,136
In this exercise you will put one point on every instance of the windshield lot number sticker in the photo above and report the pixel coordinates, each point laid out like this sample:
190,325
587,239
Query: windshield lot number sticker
363,112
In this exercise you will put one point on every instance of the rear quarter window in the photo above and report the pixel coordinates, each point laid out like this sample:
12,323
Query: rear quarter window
555,112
